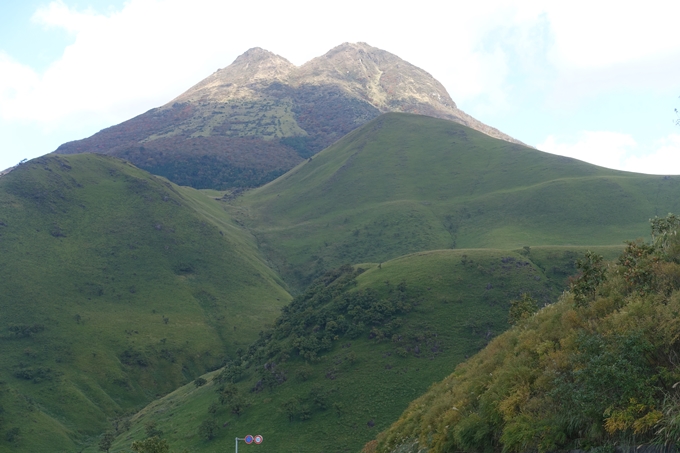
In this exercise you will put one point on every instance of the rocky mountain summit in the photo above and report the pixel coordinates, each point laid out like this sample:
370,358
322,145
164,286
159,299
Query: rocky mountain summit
246,124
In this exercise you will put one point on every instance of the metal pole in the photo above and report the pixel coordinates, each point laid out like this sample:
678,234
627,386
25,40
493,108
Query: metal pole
237,445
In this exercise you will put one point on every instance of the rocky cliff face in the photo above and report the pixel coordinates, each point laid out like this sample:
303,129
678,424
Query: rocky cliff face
249,122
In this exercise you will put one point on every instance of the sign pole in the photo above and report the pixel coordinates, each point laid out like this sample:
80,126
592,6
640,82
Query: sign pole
249,440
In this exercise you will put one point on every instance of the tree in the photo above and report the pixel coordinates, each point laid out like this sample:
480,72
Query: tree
208,429
152,430
592,273
522,308
228,393
106,441
13,434
664,232
291,408
151,445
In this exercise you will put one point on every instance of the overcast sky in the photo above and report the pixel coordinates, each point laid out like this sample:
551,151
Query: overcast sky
595,80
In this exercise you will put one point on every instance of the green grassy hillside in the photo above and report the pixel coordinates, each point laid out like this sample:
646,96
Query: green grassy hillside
348,355
404,183
117,287
595,371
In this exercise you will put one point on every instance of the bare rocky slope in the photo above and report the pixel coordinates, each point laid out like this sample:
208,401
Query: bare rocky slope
246,124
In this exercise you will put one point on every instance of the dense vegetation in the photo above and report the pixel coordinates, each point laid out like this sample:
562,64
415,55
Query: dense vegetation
117,287
214,162
347,355
597,369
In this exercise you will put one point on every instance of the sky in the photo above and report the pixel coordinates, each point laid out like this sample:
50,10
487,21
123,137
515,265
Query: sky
594,80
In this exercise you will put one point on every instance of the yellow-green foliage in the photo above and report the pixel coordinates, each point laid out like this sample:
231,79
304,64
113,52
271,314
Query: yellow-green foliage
575,375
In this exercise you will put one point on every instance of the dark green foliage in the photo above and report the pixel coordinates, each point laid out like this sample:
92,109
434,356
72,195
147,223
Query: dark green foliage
13,434
230,397
133,358
591,274
151,445
151,429
35,374
318,397
208,429
327,311
106,441
300,145
227,393
292,408
199,382
233,373
211,169
24,331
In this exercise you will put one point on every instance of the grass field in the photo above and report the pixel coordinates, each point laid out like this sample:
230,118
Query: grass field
405,183
117,288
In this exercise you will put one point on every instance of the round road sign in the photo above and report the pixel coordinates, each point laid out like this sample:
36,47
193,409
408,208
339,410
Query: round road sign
248,439
258,439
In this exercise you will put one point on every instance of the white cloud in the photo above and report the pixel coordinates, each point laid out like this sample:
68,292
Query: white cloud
664,159
57,14
16,80
591,34
619,151
491,56
604,148
151,50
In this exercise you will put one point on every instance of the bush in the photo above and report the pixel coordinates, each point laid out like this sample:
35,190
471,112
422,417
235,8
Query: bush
151,445
12,434
208,429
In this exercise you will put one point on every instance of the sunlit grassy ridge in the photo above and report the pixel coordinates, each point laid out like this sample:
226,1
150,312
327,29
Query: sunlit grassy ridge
404,183
598,369
332,375
117,287
121,287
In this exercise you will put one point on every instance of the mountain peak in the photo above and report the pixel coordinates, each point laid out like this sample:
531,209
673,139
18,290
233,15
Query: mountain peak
261,58
381,78
261,115
254,66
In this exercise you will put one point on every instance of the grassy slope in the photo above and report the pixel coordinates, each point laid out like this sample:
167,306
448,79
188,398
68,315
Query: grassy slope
404,183
99,253
463,304
596,374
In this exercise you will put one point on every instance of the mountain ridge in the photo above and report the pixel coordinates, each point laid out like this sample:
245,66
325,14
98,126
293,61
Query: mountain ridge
404,183
248,123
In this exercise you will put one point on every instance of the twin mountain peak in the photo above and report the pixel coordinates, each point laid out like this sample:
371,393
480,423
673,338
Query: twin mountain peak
250,122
